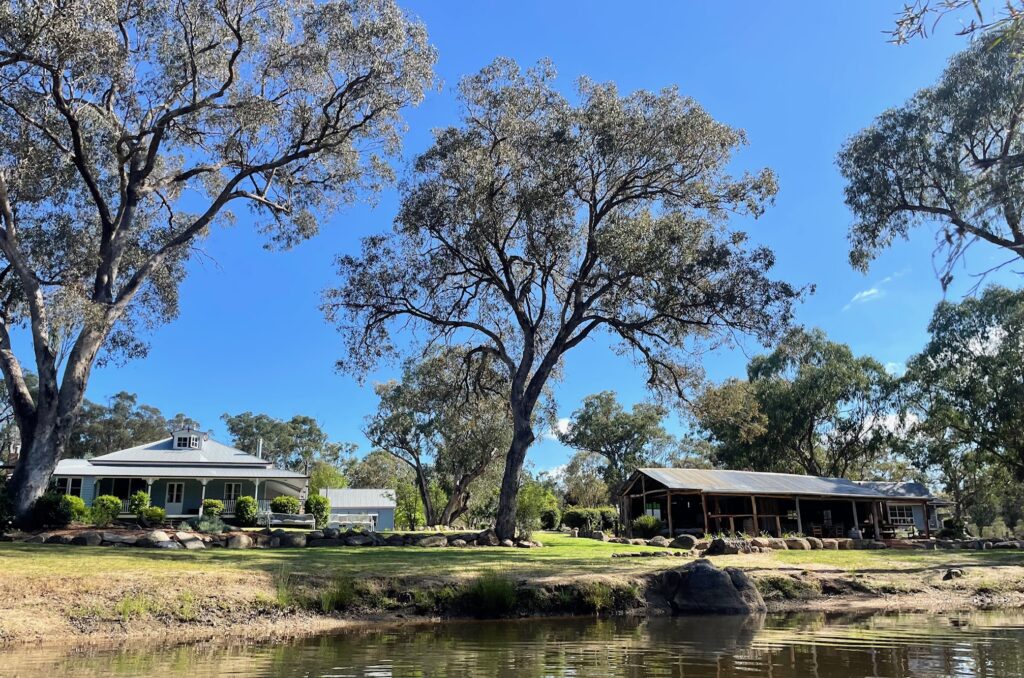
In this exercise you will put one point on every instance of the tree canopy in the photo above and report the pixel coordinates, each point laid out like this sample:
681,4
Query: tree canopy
122,423
298,444
951,157
809,407
128,130
540,222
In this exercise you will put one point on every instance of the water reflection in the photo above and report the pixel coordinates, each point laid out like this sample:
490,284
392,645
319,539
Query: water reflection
812,644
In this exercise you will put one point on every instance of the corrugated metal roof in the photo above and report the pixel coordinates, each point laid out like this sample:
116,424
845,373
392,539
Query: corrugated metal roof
84,467
906,490
163,452
359,498
752,482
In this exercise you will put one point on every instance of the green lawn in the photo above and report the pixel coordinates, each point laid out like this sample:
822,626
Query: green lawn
561,557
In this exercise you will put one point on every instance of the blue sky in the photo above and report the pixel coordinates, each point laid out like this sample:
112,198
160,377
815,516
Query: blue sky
800,78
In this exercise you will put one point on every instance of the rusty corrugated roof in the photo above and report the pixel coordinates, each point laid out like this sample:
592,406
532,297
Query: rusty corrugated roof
752,482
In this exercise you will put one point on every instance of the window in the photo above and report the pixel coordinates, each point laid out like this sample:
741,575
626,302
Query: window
193,442
826,517
175,492
232,491
181,442
72,486
901,514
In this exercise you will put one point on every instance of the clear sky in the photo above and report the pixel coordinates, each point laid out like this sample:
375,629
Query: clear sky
799,77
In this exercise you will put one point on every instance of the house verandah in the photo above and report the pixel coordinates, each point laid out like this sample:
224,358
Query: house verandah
179,473
697,501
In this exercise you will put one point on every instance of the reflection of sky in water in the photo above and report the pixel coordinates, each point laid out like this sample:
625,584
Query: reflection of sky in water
803,645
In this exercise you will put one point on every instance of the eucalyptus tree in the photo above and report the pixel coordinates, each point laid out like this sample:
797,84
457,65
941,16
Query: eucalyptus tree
539,223
810,407
129,129
952,158
627,440
447,423
298,444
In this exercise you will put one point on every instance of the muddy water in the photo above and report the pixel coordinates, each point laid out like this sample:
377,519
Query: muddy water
807,645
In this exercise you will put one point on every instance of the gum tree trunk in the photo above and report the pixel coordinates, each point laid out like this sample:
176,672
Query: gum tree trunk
505,525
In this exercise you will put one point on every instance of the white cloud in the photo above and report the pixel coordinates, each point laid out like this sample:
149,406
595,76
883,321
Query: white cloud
896,369
561,426
875,292
555,473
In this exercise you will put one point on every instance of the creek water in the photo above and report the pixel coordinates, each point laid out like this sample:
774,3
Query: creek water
820,645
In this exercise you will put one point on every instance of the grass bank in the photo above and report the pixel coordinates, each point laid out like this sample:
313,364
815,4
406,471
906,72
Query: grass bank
52,592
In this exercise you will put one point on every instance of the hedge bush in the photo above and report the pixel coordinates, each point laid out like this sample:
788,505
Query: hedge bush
105,509
208,524
646,526
79,511
584,519
50,510
320,507
152,515
246,510
213,507
285,504
550,519
138,501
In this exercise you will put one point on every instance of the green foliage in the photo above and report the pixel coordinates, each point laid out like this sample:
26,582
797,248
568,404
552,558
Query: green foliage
76,506
326,476
338,596
285,504
809,407
534,500
138,501
213,507
153,515
583,480
320,507
298,444
646,526
492,595
408,507
105,509
948,158
50,510
597,596
780,587
246,511
550,518
208,524
583,519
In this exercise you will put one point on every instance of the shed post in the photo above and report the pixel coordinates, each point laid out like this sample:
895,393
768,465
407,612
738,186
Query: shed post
799,519
202,496
668,507
704,504
757,524
856,521
927,523
874,519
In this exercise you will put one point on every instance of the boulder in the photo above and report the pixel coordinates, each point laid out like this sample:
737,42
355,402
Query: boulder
173,545
658,541
815,543
358,540
394,540
1006,545
433,541
88,539
524,544
844,544
183,536
701,588
776,544
293,540
238,540
315,534
830,544
325,542
488,538
760,542
798,544
331,532
599,535
507,543
618,540
157,536
38,538
59,539
119,538
638,542
457,543
952,573
193,544
727,547
684,541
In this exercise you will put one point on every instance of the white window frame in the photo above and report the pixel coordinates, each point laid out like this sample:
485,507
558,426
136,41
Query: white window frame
902,514
181,497
64,485
229,496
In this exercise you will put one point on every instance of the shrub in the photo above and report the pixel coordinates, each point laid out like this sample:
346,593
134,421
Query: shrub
646,526
491,595
208,524
49,510
105,509
77,507
550,518
6,507
320,507
213,507
152,515
584,519
137,502
246,511
609,517
285,504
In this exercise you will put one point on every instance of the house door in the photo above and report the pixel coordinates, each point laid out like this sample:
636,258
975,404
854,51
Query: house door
175,499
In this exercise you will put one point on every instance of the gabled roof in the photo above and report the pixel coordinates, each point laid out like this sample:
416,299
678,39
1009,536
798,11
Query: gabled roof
752,482
905,490
163,452
359,498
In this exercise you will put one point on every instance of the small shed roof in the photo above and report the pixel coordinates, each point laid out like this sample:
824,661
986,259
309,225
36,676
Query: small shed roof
360,498
753,482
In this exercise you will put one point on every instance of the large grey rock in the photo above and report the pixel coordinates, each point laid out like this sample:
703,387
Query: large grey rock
815,543
193,544
507,543
488,538
394,540
1006,545
325,542
237,540
157,535
684,541
458,543
119,538
760,542
433,541
953,573
798,544
599,535
59,539
88,539
701,588
315,534
38,538
358,540
171,545
727,547
659,541
331,532
293,540
830,544
776,544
